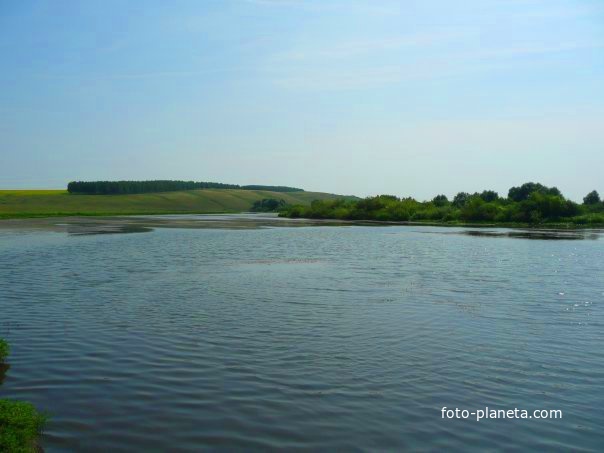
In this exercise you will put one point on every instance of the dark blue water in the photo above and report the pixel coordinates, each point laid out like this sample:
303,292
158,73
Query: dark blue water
322,338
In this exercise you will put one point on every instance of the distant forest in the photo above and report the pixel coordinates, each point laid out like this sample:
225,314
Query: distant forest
132,187
531,203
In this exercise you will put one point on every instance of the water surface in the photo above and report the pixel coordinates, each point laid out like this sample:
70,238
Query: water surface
315,337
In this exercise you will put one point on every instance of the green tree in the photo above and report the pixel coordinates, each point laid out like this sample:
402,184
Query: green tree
489,196
440,200
525,190
477,210
592,198
461,199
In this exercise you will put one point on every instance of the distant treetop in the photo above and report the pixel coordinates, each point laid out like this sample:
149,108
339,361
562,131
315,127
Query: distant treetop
132,187
272,188
525,190
592,198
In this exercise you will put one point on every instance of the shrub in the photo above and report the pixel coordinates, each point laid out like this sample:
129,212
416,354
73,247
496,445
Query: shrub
4,350
399,212
588,219
268,205
20,426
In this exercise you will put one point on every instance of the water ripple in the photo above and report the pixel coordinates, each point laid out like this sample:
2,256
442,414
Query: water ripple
314,338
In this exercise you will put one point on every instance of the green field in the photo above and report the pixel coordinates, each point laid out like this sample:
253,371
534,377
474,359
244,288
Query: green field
44,203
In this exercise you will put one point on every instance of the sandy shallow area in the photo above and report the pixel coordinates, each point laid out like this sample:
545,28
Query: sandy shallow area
145,223
141,224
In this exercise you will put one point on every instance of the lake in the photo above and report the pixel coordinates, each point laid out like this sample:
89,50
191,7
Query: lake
256,333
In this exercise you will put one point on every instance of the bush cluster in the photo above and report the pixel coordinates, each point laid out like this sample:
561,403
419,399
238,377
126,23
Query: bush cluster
268,205
531,203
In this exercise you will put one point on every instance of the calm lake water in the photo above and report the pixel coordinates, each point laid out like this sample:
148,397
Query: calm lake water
316,337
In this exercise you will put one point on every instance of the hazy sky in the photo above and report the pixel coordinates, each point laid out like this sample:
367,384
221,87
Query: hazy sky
348,96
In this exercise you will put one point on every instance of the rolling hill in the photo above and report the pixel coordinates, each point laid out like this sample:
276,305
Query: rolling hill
44,203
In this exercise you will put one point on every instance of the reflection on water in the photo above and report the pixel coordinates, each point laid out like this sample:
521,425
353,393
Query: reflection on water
100,228
539,234
142,224
4,367
519,233
258,337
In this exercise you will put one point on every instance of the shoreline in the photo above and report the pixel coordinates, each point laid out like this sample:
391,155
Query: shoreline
510,225
137,222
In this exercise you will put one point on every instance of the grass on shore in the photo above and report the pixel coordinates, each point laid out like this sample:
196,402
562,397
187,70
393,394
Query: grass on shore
47,203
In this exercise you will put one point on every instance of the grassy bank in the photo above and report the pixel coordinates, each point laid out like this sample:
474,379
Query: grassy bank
46,203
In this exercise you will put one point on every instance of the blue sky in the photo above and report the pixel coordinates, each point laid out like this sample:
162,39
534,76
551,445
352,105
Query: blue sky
358,97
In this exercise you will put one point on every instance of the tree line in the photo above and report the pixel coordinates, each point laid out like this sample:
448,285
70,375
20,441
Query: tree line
133,187
531,203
